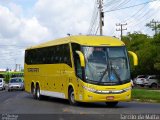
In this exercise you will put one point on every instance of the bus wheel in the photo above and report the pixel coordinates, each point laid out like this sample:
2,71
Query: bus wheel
111,104
33,91
71,97
38,95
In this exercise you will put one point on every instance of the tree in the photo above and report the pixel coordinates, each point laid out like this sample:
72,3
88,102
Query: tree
156,43
147,51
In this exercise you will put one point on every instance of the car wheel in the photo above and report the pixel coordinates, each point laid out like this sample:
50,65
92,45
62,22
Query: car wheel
71,97
154,85
9,90
111,104
22,89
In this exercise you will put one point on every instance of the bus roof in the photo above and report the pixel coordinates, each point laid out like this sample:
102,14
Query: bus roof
83,40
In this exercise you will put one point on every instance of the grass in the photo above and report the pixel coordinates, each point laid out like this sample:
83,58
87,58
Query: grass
145,95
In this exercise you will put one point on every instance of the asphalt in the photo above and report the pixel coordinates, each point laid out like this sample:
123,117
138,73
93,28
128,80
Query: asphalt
22,104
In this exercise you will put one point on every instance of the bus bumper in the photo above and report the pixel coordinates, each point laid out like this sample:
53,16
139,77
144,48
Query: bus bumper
96,97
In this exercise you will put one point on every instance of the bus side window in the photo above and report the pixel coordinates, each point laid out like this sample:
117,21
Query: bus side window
78,68
67,57
76,58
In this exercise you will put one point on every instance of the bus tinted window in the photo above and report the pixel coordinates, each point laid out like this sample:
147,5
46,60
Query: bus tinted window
49,55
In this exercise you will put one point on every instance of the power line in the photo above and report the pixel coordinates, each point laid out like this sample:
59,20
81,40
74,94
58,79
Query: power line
154,25
149,14
93,18
111,2
92,28
97,30
141,13
130,18
12,46
122,3
130,6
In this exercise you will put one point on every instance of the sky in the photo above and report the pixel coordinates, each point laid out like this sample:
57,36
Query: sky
25,23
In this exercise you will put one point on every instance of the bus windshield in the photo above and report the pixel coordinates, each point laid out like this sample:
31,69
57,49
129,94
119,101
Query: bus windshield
106,65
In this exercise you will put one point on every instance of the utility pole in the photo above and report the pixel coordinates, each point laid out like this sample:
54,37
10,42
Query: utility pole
101,16
121,28
154,24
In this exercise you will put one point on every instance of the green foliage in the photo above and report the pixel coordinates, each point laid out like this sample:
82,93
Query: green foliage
7,75
145,95
147,50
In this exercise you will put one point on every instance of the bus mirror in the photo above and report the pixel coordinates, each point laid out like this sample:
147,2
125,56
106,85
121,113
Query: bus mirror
81,56
135,58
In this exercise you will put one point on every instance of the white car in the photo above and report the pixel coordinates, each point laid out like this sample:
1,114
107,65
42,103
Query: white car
16,84
152,81
2,84
140,80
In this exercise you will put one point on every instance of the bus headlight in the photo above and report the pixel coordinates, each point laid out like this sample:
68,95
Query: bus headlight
107,91
89,89
127,89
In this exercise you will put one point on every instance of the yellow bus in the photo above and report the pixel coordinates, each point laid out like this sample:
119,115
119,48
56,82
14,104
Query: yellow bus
80,69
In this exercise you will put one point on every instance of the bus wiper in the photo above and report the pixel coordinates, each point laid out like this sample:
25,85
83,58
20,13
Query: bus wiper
112,69
106,70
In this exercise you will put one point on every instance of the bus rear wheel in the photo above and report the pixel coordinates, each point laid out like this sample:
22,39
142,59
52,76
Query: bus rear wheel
71,97
111,104
33,91
38,94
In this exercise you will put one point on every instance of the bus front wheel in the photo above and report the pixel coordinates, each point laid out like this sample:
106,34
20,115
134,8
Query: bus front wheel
111,104
71,97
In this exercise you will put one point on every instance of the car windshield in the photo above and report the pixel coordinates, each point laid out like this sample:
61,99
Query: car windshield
106,64
15,80
142,76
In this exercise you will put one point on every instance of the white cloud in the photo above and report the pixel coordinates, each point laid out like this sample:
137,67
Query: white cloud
50,19
154,5
32,31
19,32
9,24
17,10
65,16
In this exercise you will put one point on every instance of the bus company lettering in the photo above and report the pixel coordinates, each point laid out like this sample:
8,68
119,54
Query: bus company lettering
33,69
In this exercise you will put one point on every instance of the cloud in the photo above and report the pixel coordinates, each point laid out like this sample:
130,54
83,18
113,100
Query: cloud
154,5
65,16
49,19
17,33
17,10
29,22
32,31
8,22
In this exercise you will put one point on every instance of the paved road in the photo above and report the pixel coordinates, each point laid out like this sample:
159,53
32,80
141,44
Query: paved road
19,102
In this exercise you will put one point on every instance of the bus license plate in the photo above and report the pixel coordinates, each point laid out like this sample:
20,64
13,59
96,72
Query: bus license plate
110,97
